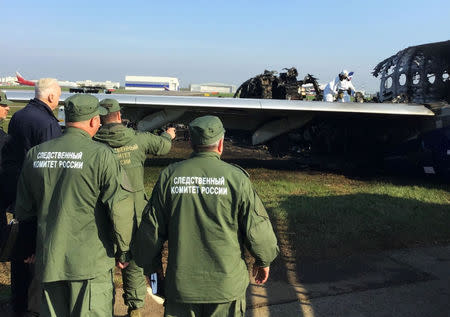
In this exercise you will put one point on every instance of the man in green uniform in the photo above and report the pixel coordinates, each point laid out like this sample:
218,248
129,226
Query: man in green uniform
72,186
208,211
131,148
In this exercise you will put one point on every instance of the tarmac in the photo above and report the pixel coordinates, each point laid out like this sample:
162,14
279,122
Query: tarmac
404,283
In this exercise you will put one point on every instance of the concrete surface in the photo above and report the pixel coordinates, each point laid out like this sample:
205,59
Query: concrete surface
409,282
402,283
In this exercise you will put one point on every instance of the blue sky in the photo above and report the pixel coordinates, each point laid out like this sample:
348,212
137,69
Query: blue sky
212,41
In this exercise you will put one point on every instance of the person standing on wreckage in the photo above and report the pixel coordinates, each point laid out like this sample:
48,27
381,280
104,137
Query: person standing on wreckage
131,148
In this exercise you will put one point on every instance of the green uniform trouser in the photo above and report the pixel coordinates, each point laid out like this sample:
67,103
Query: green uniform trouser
230,309
134,284
84,298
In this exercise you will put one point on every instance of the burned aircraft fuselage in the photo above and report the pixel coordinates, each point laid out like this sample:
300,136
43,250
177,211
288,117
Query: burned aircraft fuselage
417,74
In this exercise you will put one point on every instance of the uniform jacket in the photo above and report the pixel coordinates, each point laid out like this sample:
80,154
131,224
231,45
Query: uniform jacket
131,148
208,210
28,127
72,184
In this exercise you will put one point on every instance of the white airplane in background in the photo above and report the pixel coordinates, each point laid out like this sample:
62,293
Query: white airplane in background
79,86
32,82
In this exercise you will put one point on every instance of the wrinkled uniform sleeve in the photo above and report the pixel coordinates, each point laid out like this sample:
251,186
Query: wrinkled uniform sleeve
118,202
152,232
154,144
256,227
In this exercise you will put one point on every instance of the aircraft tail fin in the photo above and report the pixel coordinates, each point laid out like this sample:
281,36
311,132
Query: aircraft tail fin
23,81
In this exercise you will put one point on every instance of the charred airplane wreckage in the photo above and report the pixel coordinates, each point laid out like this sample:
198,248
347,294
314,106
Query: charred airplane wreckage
284,86
415,75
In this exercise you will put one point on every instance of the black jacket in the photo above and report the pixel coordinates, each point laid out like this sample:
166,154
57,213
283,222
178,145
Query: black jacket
28,127
3,137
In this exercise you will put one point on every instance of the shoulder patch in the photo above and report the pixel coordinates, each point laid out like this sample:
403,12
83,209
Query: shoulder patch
242,169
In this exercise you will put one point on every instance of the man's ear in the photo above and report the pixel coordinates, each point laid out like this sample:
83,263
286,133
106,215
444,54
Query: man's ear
220,146
93,122
51,97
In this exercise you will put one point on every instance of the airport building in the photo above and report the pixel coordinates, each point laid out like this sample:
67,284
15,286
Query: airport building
213,87
151,83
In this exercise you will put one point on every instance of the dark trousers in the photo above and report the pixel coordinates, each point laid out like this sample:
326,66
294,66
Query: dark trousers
21,276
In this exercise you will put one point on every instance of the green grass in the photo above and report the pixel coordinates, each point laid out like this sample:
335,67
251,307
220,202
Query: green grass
323,215
16,88
328,215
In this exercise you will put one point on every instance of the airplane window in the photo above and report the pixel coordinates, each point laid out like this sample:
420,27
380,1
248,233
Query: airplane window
416,78
388,83
431,78
402,79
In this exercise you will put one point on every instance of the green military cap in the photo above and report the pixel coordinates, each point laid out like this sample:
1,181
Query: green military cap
3,100
206,130
110,105
82,107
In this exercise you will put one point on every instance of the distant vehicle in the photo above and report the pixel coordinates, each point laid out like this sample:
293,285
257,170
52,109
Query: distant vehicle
85,86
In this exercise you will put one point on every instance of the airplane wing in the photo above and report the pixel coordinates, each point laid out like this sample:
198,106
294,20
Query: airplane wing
264,118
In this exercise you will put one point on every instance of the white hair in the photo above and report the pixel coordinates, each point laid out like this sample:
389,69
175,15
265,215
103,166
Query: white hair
215,144
206,148
44,87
